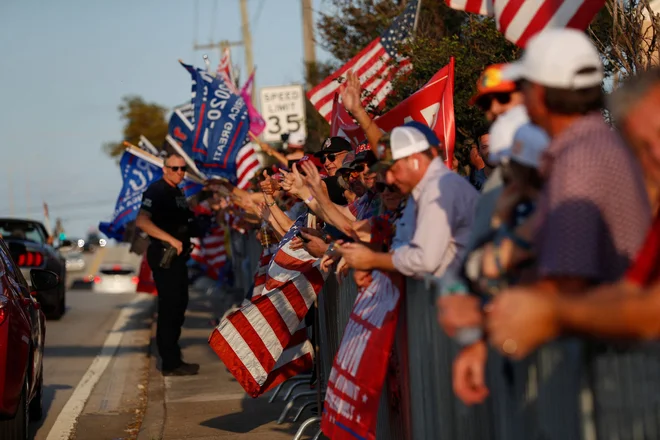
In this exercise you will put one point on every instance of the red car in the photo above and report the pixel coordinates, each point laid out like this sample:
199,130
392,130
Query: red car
22,335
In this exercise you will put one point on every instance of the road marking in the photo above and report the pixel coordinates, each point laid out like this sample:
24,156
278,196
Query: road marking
67,418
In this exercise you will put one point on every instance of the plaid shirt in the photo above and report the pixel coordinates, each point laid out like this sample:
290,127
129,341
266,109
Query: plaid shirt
594,210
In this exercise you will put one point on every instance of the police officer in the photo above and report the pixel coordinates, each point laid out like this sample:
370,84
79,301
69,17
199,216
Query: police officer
167,219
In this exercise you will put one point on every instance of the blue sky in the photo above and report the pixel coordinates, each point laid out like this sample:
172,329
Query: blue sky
66,65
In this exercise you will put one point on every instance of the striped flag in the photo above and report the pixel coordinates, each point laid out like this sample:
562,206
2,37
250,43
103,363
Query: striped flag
519,20
210,251
226,70
247,165
376,66
265,342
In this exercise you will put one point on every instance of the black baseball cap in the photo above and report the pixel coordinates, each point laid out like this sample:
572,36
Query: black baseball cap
364,154
334,144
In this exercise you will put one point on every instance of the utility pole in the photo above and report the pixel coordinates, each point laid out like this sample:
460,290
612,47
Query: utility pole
247,42
308,41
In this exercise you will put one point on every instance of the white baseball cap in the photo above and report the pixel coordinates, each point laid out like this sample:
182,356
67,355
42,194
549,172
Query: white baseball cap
503,130
559,57
406,141
296,139
529,143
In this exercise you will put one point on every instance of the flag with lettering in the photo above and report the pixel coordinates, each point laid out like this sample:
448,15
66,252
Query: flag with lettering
433,105
519,20
265,342
358,372
137,175
181,130
222,125
376,65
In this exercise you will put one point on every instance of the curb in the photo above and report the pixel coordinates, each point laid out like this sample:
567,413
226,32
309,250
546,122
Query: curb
153,422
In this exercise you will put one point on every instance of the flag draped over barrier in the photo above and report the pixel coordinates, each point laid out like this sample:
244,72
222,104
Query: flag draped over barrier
376,66
358,372
265,342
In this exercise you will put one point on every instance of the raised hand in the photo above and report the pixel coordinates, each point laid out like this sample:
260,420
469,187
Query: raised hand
350,92
312,178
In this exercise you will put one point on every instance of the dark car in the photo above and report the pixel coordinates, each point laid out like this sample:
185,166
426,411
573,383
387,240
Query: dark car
22,336
30,247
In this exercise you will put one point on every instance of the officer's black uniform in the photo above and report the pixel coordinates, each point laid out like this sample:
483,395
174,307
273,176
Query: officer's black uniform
169,211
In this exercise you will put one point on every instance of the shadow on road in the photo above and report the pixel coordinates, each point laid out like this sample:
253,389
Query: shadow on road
49,392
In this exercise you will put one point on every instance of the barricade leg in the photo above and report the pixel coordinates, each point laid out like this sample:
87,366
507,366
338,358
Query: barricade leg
290,403
280,386
296,383
304,427
302,408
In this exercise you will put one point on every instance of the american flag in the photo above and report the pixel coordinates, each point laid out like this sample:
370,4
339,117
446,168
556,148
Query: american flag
226,70
210,251
265,342
519,20
376,65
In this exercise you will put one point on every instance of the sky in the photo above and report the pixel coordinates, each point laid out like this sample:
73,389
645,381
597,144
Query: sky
67,64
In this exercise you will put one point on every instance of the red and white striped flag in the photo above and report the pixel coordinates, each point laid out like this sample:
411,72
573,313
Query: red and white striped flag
210,251
265,342
226,70
247,165
519,20
375,66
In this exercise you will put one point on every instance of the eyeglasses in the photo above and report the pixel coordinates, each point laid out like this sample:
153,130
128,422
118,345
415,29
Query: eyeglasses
382,186
359,167
485,102
183,168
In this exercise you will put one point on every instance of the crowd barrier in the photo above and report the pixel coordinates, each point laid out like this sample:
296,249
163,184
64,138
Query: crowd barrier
569,389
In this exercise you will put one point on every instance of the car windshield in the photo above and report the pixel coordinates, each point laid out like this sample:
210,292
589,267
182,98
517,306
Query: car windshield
21,231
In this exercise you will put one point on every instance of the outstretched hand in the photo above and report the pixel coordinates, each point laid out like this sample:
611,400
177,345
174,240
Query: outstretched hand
350,92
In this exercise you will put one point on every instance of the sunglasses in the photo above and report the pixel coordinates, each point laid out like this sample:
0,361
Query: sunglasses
485,102
382,186
183,168
331,157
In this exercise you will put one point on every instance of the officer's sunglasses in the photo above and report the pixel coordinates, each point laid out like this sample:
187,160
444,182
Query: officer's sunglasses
183,168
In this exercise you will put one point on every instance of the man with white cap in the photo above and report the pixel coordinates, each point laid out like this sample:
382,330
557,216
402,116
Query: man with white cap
444,203
593,212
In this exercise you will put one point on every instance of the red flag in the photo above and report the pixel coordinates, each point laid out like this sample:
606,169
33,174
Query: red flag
358,372
519,20
226,71
432,105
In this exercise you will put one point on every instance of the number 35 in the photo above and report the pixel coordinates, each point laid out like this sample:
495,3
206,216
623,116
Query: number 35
290,120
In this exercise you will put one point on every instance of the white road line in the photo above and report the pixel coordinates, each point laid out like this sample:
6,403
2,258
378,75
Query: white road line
67,418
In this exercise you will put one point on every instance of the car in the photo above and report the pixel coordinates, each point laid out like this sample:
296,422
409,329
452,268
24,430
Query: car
71,245
115,278
29,244
22,336
75,261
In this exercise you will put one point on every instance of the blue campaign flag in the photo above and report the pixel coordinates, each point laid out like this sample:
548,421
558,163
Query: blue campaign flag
222,124
182,130
137,175
190,188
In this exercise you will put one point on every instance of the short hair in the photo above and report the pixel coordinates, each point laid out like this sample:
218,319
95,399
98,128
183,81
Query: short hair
633,90
479,138
177,155
575,102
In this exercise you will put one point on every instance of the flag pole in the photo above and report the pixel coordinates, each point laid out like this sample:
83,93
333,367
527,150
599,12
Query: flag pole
419,8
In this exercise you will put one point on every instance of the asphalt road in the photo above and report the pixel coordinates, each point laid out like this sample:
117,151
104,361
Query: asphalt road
75,341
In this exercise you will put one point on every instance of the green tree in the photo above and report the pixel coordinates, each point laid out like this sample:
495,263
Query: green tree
140,118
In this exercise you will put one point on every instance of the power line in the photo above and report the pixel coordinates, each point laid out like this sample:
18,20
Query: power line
257,15
213,19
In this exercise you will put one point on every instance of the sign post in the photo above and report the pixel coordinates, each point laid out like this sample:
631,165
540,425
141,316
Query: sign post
283,108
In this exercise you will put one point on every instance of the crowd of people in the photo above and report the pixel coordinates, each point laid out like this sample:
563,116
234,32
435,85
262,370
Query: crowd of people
550,234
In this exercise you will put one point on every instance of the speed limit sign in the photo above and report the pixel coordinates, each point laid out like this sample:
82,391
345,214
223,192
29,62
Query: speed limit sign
283,108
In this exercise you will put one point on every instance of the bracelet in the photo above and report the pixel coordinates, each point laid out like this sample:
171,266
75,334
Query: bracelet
309,200
270,204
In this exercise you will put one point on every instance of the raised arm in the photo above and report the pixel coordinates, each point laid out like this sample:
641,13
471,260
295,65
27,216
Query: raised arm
350,97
